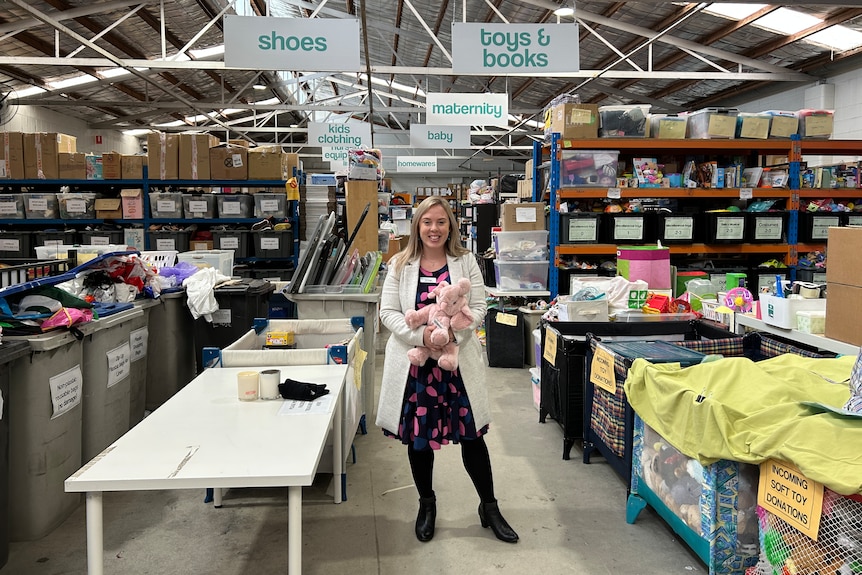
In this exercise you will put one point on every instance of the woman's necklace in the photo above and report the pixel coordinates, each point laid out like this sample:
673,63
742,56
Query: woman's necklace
433,264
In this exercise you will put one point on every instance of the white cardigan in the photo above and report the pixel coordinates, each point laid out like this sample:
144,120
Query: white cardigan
399,295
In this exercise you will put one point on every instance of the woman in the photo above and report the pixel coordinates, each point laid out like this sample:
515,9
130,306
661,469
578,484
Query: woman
427,407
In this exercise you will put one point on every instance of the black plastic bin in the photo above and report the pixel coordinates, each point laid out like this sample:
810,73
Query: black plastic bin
565,396
504,338
9,351
239,304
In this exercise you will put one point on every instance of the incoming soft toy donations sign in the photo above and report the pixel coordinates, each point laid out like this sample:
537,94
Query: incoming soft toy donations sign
514,48
460,109
268,43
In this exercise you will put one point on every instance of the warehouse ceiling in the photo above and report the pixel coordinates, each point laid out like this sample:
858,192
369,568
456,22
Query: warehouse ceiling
133,64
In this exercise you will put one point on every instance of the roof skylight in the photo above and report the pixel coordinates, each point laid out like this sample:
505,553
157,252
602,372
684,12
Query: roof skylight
786,21
733,10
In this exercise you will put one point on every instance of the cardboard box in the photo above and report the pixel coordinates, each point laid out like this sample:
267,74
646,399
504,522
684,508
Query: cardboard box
396,244
70,166
781,312
525,189
133,204
238,142
228,162
109,208
194,156
163,156
12,155
843,313
522,217
843,247
133,167
195,245
573,121
112,166
40,153
270,163
594,310
528,170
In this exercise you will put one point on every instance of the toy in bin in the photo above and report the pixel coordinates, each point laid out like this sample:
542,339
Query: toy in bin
589,168
739,299
280,340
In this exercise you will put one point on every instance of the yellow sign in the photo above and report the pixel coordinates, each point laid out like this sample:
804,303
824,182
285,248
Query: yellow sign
550,352
507,319
602,370
785,492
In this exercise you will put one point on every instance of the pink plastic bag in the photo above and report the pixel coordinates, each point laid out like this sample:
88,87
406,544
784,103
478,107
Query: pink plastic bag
67,317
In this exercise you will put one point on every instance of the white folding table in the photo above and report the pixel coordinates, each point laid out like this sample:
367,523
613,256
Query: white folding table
205,437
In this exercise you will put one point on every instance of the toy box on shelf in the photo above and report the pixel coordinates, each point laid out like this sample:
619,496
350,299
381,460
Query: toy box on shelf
712,508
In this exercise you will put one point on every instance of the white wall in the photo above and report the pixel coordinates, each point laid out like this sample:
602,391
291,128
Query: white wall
36,119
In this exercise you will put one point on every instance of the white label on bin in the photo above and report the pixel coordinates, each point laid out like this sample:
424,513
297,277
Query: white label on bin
8,208
270,243
729,228
679,228
615,193
166,206
221,317
768,228
99,240
66,390
746,193
10,245
230,208
400,213
820,226
119,364
37,204
583,229
166,244
53,242
229,243
198,206
269,205
138,343
628,228
854,220
525,215
76,206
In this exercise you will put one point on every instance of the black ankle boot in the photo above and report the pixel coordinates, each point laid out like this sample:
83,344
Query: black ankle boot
426,518
489,515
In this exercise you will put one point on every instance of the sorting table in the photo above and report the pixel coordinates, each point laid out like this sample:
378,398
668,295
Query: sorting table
205,437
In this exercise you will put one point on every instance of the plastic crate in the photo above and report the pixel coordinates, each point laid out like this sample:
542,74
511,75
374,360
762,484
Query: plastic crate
521,246
710,123
12,206
725,227
580,228
41,206
667,126
55,238
160,259
709,309
166,205
589,168
169,240
679,228
517,276
814,226
236,240
199,206
78,206
629,228
15,244
235,206
273,244
25,270
270,205
624,120
222,260
766,227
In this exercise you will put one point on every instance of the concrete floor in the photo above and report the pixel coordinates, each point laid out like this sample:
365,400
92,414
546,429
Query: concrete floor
570,516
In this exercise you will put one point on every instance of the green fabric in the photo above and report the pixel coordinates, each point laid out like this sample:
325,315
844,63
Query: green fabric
753,411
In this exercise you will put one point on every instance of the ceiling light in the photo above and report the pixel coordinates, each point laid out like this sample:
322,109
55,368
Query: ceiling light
564,11
259,87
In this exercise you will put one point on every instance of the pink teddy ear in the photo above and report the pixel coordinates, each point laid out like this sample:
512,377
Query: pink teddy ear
464,284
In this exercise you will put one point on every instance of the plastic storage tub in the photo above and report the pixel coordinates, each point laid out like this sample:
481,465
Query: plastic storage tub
170,348
815,123
12,206
814,226
139,346
521,246
725,227
710,123
55,238
222,260
166,205
521,276
623,120
272,243
236,240
101,237
77,206
199,206
270,205
629,228
783,124
766,227
9,351
107,370
753,126
169,240
235,206
41,206
44,433
580,228
667,126
15,244
588,168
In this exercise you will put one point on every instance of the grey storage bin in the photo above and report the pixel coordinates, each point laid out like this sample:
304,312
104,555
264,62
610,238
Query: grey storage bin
235,206
273,244
169,240
236,240
102,237
15,245
166,205
199,206
41,206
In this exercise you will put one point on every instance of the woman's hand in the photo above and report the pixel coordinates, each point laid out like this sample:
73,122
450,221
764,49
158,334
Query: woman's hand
426,338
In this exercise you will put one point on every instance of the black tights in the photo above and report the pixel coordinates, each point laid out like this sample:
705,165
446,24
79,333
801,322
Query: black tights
474,454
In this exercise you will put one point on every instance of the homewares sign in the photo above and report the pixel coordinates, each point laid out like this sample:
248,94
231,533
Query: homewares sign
514,48
268,43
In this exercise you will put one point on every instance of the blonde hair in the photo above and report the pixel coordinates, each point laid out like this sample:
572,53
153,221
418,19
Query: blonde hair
413,250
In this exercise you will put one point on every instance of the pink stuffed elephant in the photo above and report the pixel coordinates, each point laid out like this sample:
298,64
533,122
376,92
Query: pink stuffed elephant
450,310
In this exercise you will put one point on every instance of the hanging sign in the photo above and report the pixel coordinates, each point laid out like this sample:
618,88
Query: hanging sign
338,155
480,48
414,164
269,43
459,109
423,136
344,135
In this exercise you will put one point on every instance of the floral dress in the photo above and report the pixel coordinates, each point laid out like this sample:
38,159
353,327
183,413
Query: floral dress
436,409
